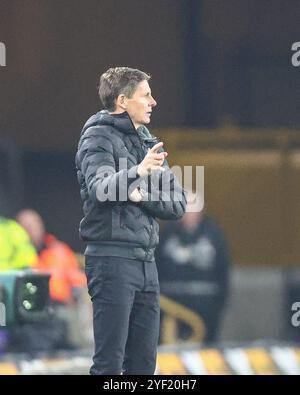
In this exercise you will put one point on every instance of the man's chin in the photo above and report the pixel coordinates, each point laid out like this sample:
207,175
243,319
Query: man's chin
144,122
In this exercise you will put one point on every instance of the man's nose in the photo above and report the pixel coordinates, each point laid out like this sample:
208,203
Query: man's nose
154,103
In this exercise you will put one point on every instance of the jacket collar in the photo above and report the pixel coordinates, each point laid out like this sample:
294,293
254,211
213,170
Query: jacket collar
122,121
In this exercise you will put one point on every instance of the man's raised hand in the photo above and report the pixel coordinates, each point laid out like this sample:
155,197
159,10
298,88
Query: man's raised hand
152,161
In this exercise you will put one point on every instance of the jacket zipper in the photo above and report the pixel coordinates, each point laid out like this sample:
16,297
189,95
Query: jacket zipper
151,233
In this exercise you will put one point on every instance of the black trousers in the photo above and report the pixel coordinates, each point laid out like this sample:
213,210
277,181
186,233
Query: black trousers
125,297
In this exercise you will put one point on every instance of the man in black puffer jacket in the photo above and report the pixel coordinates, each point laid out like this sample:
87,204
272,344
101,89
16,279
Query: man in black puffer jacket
125,183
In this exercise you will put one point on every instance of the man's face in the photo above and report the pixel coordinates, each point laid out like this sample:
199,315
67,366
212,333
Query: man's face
140,105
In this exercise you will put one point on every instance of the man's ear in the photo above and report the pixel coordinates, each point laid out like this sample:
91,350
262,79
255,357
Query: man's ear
121,102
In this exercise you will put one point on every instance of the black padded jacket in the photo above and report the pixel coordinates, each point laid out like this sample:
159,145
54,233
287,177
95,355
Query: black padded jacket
109,151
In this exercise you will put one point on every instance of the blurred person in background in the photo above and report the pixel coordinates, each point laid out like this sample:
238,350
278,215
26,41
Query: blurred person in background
66,281
16,253
16,250
55,257
193,266
25,245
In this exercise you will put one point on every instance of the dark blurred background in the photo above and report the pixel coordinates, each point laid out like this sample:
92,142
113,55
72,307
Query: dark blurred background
228,99
216,65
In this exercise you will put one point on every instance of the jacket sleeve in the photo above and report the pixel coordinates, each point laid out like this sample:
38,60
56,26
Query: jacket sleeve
99,171
165,197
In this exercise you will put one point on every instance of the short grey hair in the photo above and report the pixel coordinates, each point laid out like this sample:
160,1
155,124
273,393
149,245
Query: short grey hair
116,81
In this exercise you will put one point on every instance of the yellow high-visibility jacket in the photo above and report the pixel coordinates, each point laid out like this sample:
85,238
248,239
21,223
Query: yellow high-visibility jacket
16,251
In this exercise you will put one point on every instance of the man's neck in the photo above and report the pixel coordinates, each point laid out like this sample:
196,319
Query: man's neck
116,112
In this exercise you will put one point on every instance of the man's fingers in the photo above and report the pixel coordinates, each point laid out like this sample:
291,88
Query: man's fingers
158,156
157,168
155,160
135,195
156,147
156,164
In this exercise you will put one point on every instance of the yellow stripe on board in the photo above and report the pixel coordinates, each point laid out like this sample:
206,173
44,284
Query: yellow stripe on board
8,368
297,353
170,363
261,361
214,362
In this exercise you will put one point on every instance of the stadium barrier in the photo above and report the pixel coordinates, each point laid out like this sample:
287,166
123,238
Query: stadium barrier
258,358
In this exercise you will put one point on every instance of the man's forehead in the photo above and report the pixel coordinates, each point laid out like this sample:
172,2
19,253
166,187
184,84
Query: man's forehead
143,87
